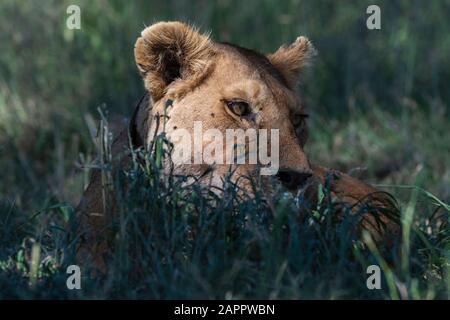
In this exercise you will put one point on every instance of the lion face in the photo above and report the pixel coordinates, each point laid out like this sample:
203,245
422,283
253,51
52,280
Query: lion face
222,105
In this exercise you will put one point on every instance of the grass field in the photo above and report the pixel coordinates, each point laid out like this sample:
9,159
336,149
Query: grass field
379,110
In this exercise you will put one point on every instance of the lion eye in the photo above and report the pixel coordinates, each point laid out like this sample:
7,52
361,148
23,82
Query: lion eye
239,108
298,118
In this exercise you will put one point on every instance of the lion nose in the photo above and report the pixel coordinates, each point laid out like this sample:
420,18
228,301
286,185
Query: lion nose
293,179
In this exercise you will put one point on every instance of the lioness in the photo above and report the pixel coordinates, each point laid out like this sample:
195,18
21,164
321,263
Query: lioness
190,78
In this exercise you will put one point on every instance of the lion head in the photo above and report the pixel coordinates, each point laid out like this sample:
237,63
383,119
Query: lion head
201,87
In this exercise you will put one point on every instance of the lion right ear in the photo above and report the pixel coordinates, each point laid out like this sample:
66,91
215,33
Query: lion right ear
292,59
167,51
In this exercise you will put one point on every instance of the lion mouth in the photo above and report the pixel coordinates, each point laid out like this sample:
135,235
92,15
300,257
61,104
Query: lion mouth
293,180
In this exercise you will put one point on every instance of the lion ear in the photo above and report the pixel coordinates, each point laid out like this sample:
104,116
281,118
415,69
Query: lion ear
167,51
291,59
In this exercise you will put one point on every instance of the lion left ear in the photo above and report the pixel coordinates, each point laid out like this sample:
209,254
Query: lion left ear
167,51
291,59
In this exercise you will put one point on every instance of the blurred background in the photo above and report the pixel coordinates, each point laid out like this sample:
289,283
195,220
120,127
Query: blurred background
378,98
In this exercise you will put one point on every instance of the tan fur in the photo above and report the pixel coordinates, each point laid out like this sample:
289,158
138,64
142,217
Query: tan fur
352,192
292,59
165,41
178,63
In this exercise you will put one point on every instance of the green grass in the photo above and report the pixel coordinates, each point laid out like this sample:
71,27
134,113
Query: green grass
178,242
